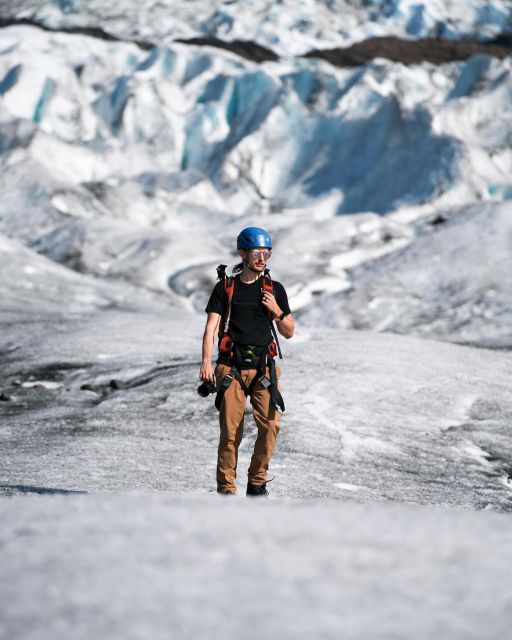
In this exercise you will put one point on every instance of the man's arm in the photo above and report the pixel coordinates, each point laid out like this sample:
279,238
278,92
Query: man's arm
210,331
286,326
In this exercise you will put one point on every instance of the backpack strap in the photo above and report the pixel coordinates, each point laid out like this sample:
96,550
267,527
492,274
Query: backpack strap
229,288
268,286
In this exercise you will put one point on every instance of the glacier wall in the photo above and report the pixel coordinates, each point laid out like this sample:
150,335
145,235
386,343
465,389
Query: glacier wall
276,135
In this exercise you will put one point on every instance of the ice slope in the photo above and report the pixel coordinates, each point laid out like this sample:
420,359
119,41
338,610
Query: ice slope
87,180
453,282
289,28
101,379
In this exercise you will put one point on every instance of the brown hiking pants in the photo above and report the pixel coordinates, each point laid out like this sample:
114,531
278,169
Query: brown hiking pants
231,417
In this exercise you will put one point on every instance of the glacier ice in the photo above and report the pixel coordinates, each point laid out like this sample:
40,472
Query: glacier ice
222,116
288,27
126,174
115,153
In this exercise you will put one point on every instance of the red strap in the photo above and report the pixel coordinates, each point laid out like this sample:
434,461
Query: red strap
266,283
229,288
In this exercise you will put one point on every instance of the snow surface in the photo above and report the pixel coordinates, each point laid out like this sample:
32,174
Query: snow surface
454,282
103,397
103,402
139,565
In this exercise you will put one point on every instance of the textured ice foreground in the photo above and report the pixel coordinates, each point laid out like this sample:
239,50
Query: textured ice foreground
133,566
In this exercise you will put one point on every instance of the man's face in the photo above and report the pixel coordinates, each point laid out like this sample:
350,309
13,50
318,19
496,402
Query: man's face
257,257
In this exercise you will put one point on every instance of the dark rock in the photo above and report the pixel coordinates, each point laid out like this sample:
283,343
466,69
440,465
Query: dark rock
244,48
117,384
86,387
439,219
504,40
93,32
435,50
5,397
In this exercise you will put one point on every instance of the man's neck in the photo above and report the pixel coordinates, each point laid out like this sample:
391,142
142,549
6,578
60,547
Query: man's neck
248,277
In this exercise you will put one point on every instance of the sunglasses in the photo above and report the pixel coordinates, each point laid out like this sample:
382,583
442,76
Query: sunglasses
263,253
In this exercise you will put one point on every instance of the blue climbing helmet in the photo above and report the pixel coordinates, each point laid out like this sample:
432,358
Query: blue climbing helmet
252,237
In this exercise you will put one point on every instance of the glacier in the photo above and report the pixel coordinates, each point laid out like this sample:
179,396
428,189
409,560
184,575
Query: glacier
130,159
289,28
178,108
116,163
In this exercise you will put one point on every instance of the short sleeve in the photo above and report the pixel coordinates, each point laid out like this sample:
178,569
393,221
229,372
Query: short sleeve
216,301
281,297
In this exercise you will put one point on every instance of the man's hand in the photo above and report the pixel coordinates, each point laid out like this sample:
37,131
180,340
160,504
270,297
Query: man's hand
269,302
286,326
206,372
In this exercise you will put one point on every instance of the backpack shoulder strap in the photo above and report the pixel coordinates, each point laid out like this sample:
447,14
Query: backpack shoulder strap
229,288
268,285
266,282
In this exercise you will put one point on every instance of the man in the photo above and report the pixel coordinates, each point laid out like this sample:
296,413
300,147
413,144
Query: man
245,365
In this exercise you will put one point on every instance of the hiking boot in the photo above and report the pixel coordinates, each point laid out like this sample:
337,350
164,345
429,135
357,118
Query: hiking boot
226,493
257,489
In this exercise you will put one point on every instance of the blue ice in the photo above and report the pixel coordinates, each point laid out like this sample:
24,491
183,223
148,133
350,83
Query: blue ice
110,107
67,6
44,99
10,79
472,72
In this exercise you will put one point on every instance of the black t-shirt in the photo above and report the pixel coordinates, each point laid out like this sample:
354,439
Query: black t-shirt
249,322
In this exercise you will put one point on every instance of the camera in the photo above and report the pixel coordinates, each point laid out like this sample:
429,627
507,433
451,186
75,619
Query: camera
205,388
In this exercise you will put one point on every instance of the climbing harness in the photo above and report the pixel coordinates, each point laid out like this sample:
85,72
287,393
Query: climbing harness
247,356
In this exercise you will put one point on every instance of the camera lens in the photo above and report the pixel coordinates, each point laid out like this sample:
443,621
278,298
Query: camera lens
205,388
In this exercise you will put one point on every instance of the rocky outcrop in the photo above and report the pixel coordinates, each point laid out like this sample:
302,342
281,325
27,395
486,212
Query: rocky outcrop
434,50
244,48
94,32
